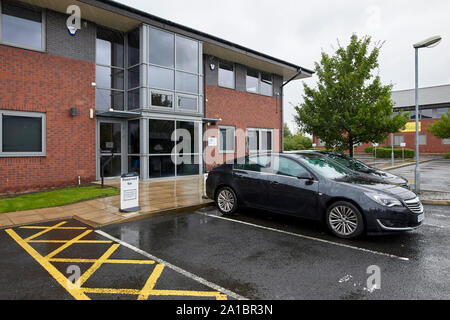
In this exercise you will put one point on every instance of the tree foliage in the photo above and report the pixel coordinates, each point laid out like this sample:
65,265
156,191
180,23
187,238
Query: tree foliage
350,105
441,129
295,142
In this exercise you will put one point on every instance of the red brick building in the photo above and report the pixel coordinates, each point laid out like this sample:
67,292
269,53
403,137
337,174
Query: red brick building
117,95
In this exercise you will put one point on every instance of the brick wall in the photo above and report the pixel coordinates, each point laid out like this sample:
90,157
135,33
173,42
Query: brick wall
242,110
34,81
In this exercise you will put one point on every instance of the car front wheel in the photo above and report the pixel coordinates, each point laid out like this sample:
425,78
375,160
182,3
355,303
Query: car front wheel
226,201
344,220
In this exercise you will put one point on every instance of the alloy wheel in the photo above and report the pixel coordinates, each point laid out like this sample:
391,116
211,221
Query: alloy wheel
226,200
343,220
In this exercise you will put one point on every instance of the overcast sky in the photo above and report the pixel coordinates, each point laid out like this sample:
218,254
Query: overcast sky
298,31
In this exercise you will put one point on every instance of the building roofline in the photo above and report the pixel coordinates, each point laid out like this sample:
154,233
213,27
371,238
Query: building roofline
429,87
138,12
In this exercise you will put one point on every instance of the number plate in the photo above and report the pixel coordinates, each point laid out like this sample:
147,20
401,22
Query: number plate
421,218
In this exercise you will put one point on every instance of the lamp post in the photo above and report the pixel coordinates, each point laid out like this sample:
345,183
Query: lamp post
428,43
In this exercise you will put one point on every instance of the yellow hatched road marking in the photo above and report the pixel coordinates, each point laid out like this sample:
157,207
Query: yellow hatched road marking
67,244
109,261
59,228
112,291
216,294
98,263
151,282
45,231
65,241
58,276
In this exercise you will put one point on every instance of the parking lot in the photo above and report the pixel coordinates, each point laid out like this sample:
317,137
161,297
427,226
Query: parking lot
202,255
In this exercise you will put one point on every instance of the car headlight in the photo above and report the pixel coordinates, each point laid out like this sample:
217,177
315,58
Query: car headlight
384,200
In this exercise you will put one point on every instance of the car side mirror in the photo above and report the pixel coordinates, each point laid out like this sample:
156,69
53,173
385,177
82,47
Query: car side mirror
305,175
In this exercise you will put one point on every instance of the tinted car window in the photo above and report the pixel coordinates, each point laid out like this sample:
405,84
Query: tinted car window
349,162
287,167
254,163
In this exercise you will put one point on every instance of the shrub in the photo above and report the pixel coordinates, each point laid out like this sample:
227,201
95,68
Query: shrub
385,152
447,156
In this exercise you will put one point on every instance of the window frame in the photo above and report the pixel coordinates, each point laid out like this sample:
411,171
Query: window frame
260,150
41,115
258,90
43,47
228,151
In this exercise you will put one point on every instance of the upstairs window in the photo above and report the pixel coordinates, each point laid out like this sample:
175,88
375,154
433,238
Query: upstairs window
259,82
252,81
266,84
226,74
21,25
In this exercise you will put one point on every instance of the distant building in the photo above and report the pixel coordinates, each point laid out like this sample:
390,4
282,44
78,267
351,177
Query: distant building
433,103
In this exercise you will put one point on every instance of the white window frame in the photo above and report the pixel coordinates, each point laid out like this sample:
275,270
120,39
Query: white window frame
181,109
259,130
23,46
259,82
234,139
43,117
233,86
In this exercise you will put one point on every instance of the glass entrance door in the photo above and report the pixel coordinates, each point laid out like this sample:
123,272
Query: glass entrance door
110,145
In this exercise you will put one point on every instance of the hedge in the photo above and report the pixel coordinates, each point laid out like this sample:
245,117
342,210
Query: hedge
384,152
447,156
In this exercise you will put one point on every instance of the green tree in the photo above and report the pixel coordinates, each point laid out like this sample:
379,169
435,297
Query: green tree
441,129
287,132
350,105
297,142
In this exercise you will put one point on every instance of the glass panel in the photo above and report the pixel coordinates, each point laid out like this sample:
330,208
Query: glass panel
252,81
110,137
21,24
134,99
426,114
107,99
423,139
109,78
266,84
226,74
22,134
162,100
187,103
133,77
412,115
253,140
269,141
287,167
133,48
188,166
109,48
113,169
191,129
398,140
227,139
133,137
187,54
160,78
161,51
161,136
161,167
134,164
186,82
441,111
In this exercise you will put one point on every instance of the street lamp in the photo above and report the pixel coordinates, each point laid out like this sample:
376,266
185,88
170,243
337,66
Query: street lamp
428,43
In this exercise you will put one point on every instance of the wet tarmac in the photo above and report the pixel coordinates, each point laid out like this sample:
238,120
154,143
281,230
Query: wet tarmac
252,255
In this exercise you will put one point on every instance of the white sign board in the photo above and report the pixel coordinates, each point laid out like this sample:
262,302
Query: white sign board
375,145
314,145
129,194
212,142
403,145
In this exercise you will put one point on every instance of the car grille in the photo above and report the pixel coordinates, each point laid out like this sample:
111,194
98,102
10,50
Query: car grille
415,205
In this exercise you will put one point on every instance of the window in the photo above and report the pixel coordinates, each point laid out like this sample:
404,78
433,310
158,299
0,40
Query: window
259,82
423,139
252,81
22,133
160,136
174,66
254,163
445,141
259,140
133,137
22,25
110,89
266,84
227,139
287,167
322,143
441,111
398,140
226,74
426,114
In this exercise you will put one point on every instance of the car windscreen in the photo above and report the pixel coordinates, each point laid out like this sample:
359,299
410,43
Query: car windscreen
350,163
324,166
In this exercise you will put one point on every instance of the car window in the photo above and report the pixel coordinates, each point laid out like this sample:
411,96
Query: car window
254,163
324,166
287,167
349,162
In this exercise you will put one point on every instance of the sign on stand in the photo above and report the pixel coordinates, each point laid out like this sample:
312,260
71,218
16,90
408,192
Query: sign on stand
129,193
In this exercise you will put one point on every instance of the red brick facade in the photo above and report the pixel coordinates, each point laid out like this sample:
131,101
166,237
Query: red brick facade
434,145
242,110
33,81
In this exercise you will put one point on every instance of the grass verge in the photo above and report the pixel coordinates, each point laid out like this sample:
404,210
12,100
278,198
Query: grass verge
54,198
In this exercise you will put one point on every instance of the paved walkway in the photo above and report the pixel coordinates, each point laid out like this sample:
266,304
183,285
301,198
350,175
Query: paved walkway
156,198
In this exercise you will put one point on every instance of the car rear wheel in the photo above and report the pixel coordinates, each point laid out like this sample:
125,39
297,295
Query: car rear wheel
226,200
344,220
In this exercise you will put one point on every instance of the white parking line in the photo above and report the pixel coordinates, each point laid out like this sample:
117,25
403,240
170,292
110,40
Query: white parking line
306,237
174,268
